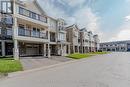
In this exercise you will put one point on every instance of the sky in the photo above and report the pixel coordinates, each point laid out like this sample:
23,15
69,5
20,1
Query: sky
110,19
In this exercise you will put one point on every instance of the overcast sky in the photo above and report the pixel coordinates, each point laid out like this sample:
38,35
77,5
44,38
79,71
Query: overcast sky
108,18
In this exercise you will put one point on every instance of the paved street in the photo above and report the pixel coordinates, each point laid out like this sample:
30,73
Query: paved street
110,70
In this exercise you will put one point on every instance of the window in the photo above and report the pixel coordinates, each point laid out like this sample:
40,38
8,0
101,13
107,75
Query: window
9,31
8,20
43,19
21,30
33,15
6,7
24,12
0,29
21,11
38,33
34,32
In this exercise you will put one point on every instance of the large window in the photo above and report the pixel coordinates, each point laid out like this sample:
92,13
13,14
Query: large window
6,7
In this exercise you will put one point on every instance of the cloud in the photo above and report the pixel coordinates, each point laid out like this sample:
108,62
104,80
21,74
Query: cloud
127,18
83,16
72,3
123,33
51,9
86,18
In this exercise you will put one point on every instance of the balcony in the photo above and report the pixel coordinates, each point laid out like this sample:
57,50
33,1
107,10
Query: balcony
32,33
32,15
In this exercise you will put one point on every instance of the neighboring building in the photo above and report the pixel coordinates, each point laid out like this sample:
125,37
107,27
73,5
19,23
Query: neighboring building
73,38
88,42
115,46
58,43
26,30
84,41
96,42
32,32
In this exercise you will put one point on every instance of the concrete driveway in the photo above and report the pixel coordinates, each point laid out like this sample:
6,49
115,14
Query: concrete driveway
37,62
111,70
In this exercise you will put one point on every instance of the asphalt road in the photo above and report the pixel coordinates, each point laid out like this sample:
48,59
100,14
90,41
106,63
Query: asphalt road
110,70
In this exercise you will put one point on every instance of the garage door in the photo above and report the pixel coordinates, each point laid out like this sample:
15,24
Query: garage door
32,51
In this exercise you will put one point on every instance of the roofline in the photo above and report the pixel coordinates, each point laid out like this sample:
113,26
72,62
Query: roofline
115,41
71,26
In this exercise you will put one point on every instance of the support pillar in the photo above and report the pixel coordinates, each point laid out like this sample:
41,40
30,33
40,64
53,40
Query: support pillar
3,48
16,50
44,50
73,49
48,50
69,49
82,49
78,48
61,50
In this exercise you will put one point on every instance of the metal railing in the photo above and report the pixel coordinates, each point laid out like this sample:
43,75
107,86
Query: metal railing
32,15
31,33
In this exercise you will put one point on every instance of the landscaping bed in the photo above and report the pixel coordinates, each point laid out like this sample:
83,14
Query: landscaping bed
8,65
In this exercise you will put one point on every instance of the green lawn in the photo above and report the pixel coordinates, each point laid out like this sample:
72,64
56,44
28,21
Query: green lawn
8,65
80,56
99,52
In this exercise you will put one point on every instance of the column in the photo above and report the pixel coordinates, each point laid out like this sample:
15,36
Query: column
44,50
61,50
78,48
82,49
16,50
15,27
3,48
64,50
69,49
48,50
73,49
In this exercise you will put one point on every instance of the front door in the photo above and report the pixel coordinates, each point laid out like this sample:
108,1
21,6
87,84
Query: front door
8,48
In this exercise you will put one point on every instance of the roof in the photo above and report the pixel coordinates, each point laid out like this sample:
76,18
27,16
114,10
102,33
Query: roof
74,25
118,42
83,29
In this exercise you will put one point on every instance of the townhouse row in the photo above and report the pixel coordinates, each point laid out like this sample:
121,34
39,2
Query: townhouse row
26,30
116,46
